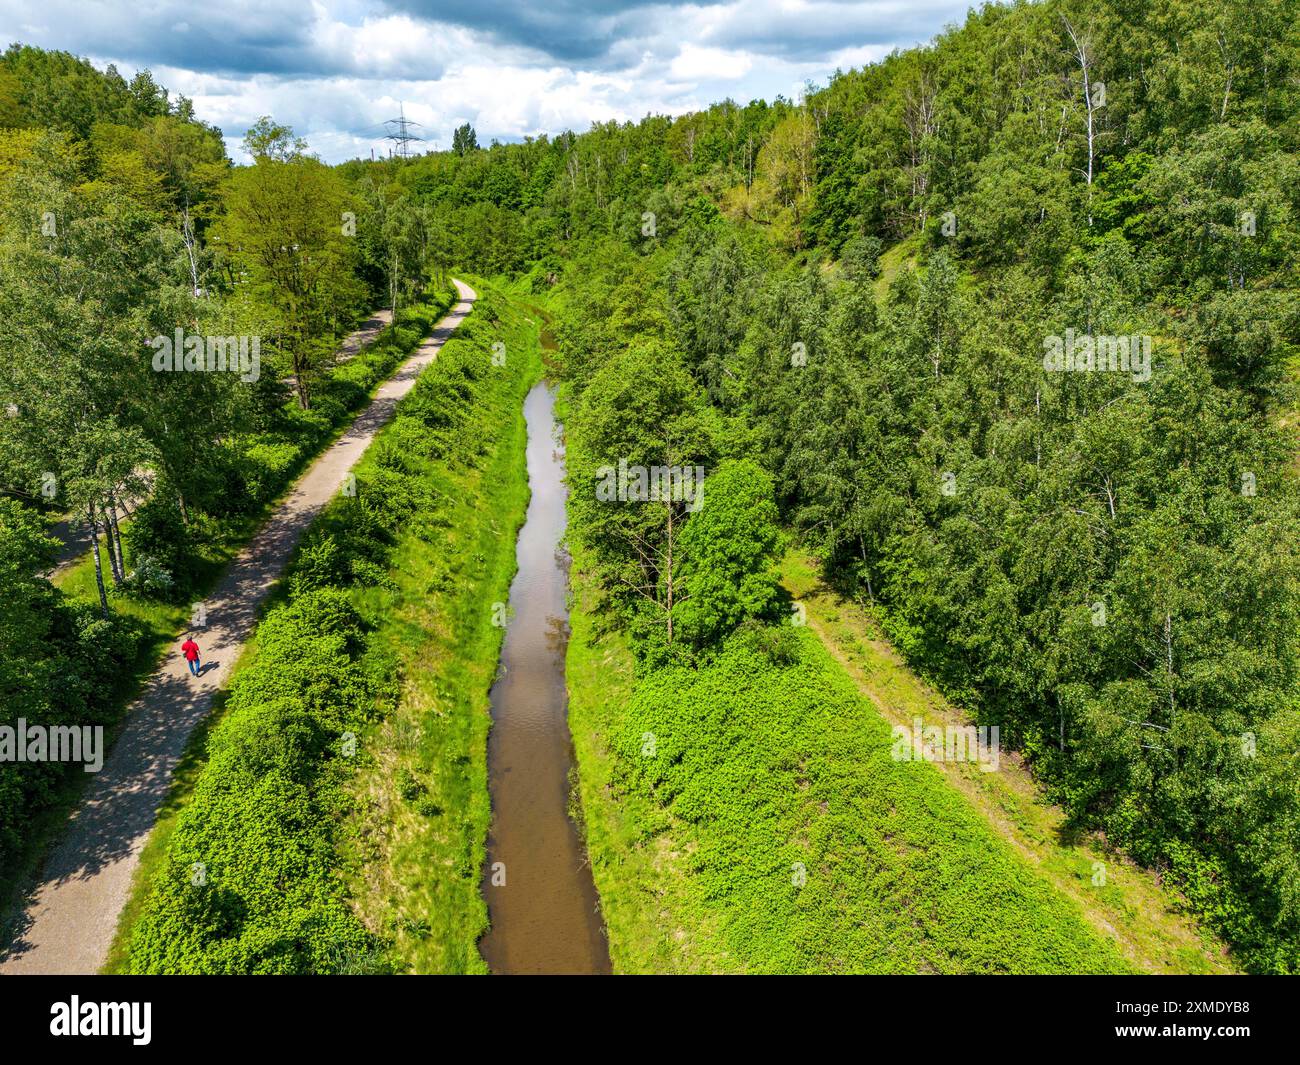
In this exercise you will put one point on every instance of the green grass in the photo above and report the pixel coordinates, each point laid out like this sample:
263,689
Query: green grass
896,260
652,916
761,764
1132,908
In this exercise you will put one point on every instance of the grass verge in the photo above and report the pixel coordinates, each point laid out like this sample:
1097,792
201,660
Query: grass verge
1130,906
418,835
771,831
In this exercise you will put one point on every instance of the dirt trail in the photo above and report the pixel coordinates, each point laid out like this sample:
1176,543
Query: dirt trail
71,914
364,336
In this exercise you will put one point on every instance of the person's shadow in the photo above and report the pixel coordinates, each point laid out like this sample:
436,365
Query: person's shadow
207,666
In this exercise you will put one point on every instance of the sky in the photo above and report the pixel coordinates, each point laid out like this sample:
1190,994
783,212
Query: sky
334,70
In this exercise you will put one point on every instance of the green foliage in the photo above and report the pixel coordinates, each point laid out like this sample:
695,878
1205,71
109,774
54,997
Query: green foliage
763,767
249,885
1098,563
261,465
58,662
729,553
641,413
464,139
121,220
904,416
157,531
268,465
283,232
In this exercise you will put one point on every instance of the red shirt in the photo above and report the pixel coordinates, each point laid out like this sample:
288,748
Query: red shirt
190,650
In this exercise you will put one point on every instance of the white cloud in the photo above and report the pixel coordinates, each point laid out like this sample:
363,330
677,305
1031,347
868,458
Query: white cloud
336,69
694,63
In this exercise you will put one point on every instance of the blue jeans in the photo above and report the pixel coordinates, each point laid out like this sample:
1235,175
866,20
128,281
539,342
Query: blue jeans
194,666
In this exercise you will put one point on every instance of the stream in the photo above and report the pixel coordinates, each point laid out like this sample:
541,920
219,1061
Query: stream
546,915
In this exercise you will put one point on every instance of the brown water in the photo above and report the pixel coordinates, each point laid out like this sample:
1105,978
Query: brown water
546,916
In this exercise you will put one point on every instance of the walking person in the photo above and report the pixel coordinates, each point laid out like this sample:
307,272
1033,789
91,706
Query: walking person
190,650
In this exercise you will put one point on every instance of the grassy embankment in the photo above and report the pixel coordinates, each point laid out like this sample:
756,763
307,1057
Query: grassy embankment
771,761
416,873
1131,906
393,840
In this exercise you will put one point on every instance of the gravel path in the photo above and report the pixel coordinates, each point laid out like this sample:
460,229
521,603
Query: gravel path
71,914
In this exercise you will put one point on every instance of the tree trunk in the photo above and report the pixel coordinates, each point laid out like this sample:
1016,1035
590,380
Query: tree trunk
670,573
117,534
1169,666
862,553
114,564
99,565
1083,56
300,367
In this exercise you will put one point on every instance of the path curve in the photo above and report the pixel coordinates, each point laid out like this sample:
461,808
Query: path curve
71,913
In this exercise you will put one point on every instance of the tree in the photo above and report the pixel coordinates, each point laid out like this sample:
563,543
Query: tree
728,551
785,175
641,413
150,97
78,302
267,139
284,232
1083,53
464,140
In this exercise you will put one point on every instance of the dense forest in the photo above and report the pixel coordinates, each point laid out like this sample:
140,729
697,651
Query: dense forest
858,293
1003,330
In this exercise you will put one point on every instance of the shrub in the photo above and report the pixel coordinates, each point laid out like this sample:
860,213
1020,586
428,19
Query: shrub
162,546
319,563
267,467
149,578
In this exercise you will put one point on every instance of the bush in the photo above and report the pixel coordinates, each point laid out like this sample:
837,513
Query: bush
162,547
150,579
60,664
320,563
267,468
249,885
